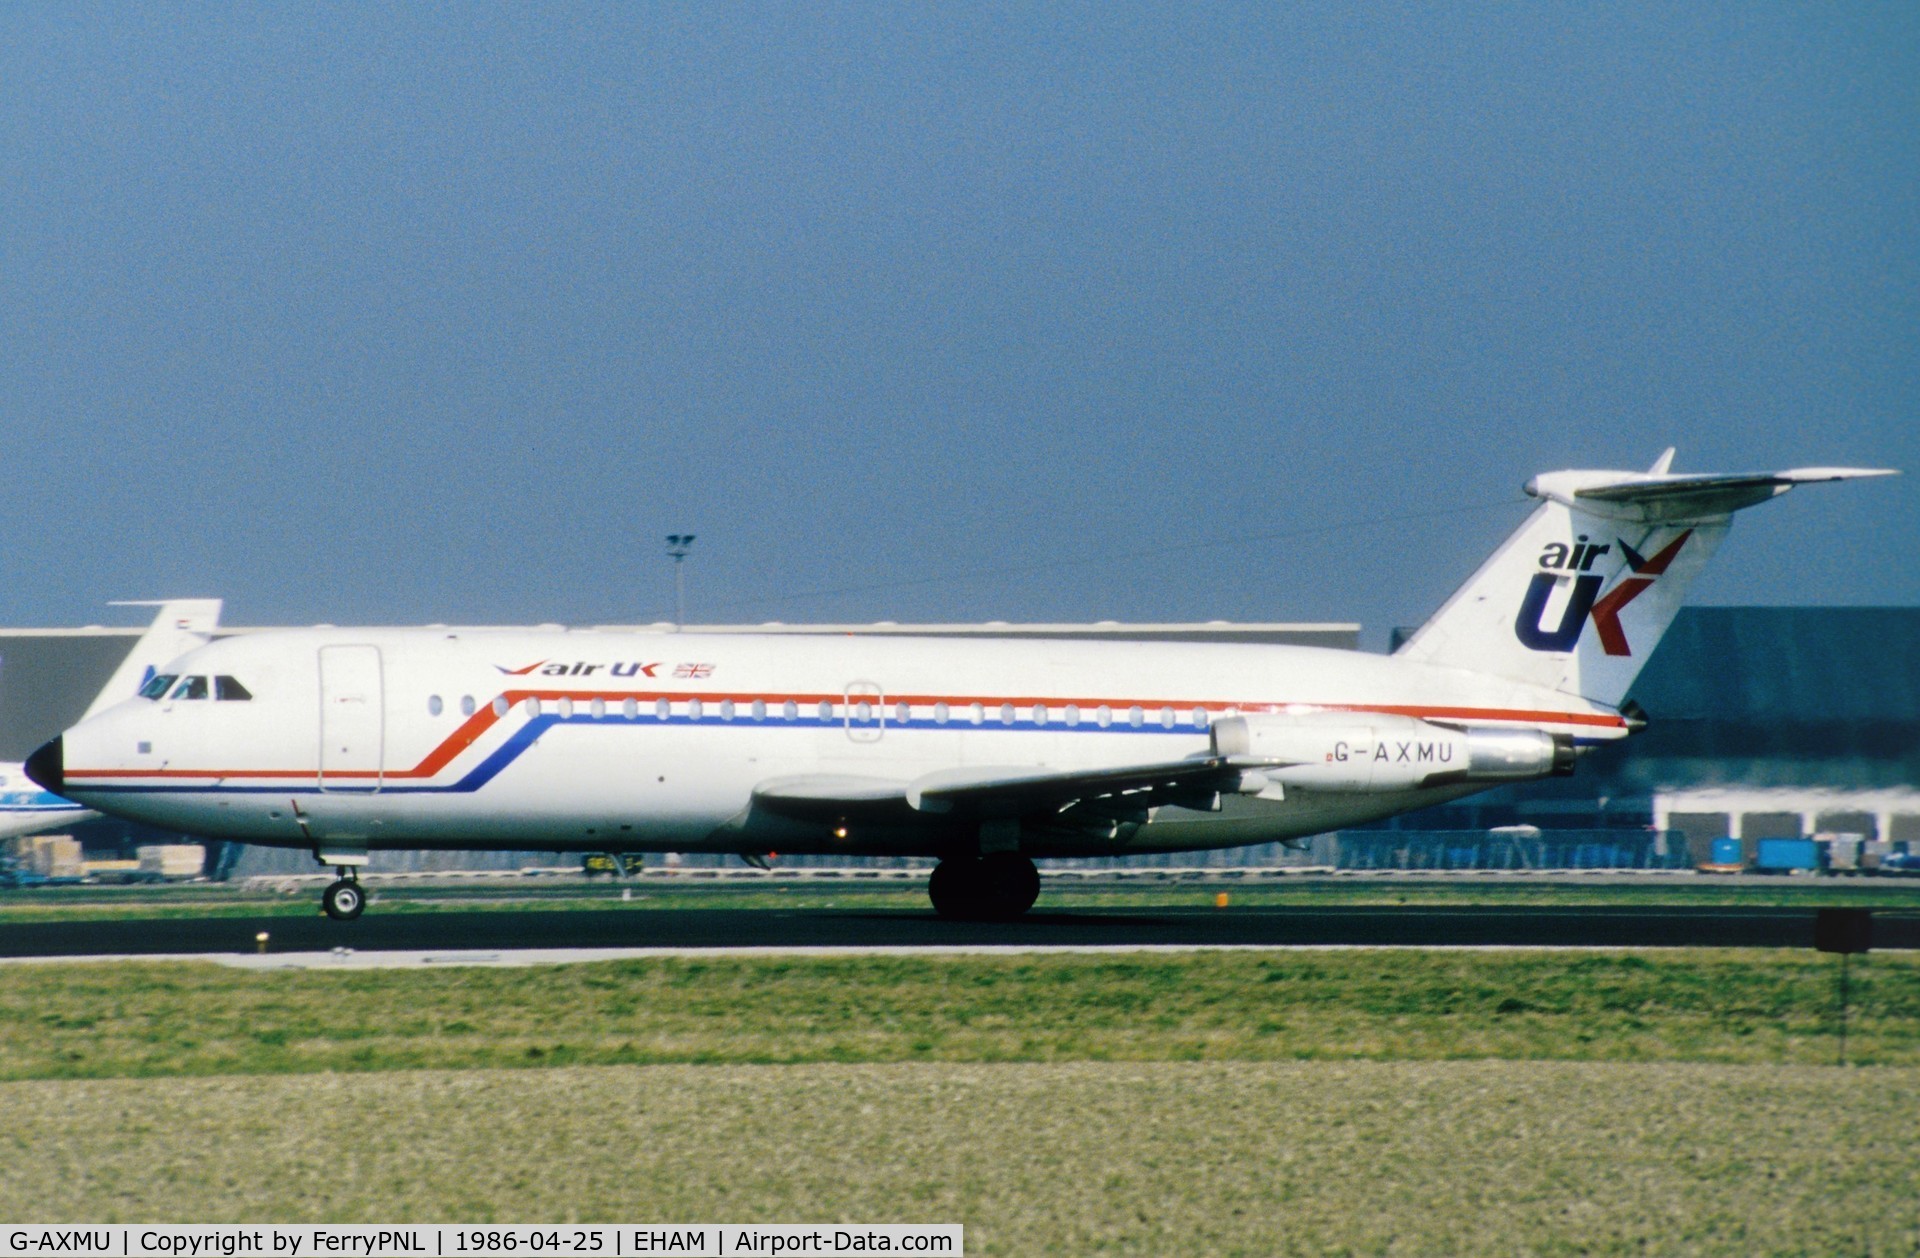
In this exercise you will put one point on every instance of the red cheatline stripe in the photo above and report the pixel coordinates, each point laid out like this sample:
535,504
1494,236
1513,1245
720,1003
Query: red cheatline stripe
476,725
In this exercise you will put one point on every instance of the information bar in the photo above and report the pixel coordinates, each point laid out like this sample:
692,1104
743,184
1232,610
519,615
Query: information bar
477,1240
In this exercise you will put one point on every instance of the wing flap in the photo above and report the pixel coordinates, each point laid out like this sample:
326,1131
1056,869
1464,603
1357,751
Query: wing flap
1018,791
991,791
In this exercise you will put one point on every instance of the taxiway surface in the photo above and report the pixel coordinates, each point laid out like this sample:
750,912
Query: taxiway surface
763,929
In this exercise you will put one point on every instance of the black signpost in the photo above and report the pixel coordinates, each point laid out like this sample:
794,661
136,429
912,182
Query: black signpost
1845,931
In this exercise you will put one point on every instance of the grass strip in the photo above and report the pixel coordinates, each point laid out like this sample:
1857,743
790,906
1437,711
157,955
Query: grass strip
1075,1158
235,900
1723,1006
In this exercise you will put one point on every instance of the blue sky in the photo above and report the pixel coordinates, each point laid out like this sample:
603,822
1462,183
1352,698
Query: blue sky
1146,312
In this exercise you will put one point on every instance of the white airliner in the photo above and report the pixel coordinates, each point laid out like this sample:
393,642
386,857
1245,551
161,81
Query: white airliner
984,754
179,626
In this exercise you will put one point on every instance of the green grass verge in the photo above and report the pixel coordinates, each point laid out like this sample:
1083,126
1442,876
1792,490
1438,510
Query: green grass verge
1726,1006
204,901
1072,1158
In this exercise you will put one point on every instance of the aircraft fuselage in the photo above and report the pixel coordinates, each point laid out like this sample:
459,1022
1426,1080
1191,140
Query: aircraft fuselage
599,740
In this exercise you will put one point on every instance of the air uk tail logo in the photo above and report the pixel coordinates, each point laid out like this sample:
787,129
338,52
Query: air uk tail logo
1585,602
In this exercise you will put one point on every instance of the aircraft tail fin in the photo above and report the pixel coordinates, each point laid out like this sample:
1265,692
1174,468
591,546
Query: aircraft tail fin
179,626
1577,598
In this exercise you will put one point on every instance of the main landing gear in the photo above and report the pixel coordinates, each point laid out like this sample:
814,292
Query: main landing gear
343,900
997,887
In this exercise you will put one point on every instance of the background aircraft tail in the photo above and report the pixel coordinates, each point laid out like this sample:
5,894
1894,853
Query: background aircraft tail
179,626
1577,598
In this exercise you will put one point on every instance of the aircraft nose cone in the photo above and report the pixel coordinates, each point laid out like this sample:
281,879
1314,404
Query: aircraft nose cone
47,766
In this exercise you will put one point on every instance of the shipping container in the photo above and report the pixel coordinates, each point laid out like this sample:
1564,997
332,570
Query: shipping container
1786,854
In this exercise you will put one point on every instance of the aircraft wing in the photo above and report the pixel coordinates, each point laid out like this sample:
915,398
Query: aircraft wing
833,797
1015,791
998,792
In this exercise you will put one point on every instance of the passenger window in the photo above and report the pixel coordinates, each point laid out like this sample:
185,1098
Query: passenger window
191,688
1166,718
433,703
500,706
662,709
230,688
466,705
826,710
1039,714
533,707
726,709
693,709
1135,716
630,708
1104,715
566,709
1073,715
156,687
1199,718
790,711
976,714
940,714
902,713
759,709
598,708
1006,714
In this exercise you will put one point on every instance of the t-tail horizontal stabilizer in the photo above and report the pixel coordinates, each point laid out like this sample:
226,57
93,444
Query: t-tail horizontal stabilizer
1577,598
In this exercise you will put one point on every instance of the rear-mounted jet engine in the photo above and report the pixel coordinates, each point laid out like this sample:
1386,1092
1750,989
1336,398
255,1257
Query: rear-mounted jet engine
1355,751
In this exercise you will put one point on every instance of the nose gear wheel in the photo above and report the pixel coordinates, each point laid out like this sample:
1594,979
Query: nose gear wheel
344,899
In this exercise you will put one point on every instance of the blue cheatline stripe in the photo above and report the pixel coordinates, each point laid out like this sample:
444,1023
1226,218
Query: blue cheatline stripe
530,732
42,801
534,727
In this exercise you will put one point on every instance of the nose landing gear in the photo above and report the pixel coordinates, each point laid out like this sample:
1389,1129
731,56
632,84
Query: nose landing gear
997,887
343,900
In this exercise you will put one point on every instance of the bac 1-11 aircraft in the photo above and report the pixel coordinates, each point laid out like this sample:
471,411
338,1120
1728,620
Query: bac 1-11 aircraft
984,754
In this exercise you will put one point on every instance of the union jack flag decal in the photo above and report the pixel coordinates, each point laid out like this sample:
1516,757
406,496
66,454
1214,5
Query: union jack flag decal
693,671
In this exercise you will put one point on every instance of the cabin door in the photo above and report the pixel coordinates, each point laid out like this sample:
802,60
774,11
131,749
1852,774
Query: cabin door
352,718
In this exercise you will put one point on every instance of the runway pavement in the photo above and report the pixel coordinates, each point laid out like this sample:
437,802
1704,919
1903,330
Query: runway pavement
646,927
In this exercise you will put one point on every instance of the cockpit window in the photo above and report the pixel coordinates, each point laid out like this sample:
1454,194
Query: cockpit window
156,687
191,688
230,688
